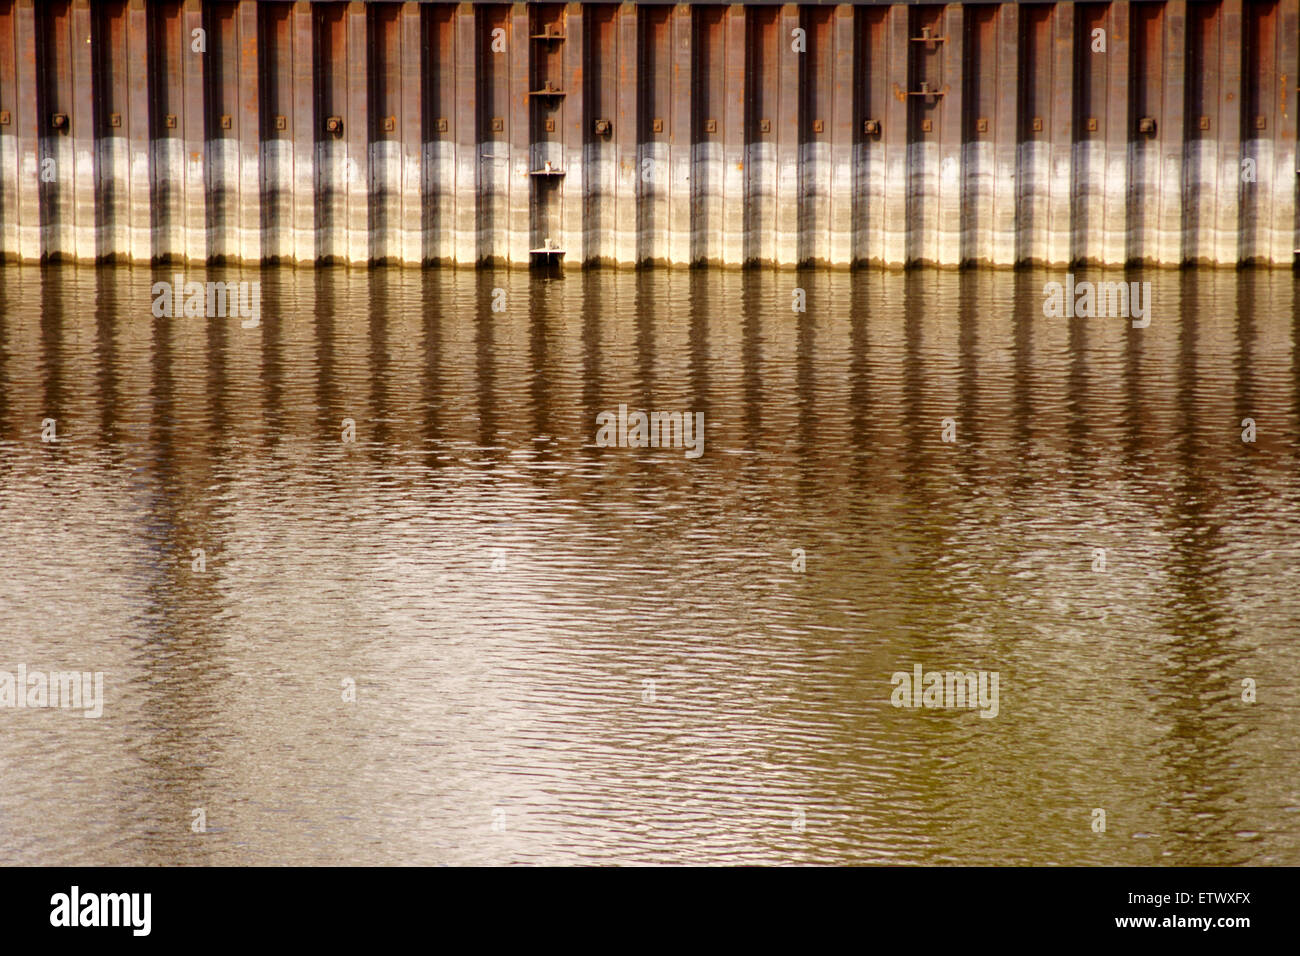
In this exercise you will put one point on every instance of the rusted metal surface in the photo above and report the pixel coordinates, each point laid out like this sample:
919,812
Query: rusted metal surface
1161,131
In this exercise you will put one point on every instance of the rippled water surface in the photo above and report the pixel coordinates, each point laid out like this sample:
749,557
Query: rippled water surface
568,653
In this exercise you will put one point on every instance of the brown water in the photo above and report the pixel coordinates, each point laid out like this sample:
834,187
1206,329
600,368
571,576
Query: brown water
500,589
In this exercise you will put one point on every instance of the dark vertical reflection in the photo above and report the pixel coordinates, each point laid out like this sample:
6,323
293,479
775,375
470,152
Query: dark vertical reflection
1136,414
162,395
699,345
866,471
701,309
52,300
1077,424
1028,312
593,402
272,324
924,546
485,366
860,416
7,309
806,386
640,395
751,363
1295,364
435,292
753,466
180,659
329,414
107,307
218,331
917,430
643,386
381,279
1249,456
541,293
972,301
1198,761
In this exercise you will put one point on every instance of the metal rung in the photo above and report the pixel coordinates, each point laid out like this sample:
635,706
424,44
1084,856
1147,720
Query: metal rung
928,40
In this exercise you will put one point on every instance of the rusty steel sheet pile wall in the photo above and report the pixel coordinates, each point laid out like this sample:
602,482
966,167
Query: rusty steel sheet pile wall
1161,132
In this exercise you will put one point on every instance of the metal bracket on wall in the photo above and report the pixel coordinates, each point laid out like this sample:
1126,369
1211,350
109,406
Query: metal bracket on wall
927,39
548,33
928,93
549,89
